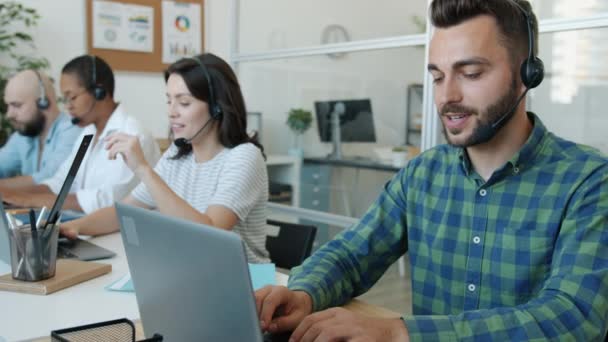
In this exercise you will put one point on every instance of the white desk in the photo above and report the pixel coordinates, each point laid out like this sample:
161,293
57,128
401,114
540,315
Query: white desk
26,316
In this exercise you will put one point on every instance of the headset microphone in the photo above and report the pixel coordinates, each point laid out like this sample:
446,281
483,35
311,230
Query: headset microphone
181,142
507,115
77,120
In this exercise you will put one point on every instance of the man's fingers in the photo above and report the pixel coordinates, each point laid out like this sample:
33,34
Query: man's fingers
339,332
259,297
285,323
279,295
304,329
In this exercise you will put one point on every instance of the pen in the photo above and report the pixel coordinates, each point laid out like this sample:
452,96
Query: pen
11,221
33,220
42,212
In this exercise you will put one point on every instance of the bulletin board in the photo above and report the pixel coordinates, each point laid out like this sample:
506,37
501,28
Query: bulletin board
122,60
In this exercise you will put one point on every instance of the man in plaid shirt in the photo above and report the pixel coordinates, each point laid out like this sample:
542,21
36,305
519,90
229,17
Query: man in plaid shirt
506,227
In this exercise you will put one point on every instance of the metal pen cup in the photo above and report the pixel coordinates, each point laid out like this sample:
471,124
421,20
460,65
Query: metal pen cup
33,253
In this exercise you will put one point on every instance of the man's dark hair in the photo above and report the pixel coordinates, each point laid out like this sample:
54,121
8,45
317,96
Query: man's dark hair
82,67
512,23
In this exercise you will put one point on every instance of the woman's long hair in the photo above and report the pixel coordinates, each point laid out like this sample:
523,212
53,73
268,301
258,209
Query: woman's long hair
227,93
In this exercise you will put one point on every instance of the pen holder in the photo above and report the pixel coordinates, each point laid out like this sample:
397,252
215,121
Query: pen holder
33,253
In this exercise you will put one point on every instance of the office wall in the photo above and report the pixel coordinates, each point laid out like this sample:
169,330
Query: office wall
61,35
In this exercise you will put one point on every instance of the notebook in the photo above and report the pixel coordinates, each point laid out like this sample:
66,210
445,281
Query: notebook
192,281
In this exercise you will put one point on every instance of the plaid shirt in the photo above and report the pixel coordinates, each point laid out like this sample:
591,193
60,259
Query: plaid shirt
522,256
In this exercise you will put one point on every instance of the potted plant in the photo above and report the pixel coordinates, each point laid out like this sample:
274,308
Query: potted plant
12,42
298,120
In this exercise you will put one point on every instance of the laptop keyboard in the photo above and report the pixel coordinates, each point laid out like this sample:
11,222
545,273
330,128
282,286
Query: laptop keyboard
281,337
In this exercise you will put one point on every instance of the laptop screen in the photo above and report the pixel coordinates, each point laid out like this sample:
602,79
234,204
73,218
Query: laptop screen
67,184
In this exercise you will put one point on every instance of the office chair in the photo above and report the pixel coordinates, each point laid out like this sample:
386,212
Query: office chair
292,245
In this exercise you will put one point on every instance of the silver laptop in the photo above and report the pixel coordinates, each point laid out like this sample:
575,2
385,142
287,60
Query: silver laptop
191,281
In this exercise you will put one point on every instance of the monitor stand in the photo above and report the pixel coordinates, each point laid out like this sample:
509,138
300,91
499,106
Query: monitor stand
336,138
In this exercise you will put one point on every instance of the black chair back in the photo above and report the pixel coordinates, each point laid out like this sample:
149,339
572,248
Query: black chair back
292,245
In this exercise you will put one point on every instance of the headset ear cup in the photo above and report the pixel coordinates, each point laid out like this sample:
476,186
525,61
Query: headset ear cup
216,112
43,103
99,93
532,72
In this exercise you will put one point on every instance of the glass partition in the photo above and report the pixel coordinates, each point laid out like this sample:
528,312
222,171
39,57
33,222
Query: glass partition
571,101
568,9
271,24
382,77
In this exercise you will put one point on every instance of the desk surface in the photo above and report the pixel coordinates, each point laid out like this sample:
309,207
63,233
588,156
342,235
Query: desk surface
361,163
26,316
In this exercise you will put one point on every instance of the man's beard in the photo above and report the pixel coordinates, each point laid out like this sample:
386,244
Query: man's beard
487,126
34,127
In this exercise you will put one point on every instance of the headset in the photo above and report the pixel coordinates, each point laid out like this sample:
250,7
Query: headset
43,101
98,91
532,72
215,110
532,69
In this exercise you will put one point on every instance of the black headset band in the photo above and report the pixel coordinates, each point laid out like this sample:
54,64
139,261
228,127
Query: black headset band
529,26
213,106
41,88
98,91
93,72
532,68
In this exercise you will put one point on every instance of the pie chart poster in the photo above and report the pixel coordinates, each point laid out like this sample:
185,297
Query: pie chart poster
181,30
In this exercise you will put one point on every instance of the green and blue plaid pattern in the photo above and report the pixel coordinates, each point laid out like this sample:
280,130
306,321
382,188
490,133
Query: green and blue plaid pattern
522,256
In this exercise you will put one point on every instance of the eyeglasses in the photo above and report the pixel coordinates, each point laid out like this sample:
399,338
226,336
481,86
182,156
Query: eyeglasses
71,99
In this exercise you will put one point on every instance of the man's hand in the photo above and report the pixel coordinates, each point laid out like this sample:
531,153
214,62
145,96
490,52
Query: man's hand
339,324
281,309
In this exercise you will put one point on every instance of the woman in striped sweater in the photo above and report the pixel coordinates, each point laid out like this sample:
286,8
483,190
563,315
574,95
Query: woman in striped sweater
214,172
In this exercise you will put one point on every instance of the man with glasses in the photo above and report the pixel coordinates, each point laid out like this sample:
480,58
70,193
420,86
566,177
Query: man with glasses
43,136
87,84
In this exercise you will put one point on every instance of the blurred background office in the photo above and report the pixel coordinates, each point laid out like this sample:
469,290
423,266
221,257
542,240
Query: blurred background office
313,54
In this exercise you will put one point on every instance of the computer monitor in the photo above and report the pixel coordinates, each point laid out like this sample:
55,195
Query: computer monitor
356,121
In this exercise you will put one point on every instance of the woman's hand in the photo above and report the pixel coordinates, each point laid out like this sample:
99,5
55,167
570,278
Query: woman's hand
129,147
69,230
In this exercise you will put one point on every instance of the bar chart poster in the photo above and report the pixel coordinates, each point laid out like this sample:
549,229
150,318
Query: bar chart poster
121,26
